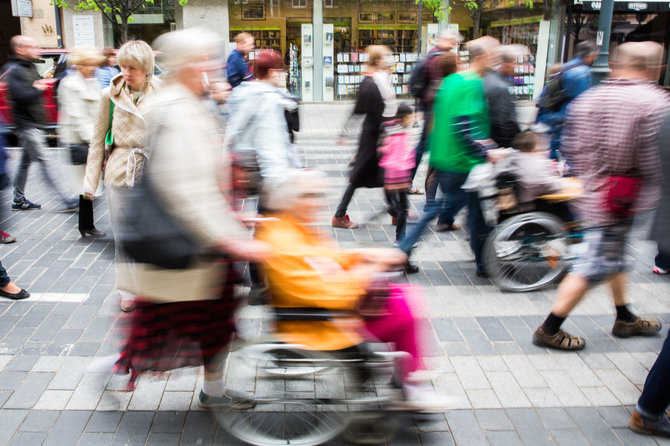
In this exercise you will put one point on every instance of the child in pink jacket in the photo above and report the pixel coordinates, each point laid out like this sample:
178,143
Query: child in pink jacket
398,159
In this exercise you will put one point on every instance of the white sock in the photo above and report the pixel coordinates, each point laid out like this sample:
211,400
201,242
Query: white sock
213,388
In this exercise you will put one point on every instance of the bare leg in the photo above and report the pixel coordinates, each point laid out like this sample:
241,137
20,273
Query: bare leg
570,292
618,285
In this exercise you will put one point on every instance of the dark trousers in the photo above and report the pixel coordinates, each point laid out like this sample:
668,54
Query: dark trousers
349,194
450,183
421,147
655,396
34,150
662,259
344,202
4,277
85,214
398,207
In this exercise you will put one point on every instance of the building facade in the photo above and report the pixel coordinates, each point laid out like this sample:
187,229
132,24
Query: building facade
323,42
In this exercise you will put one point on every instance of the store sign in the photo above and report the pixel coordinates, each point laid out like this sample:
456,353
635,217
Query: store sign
84,30
22,8
627,5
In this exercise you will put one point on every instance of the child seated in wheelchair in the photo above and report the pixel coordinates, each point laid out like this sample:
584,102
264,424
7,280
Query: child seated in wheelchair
309,271
535,177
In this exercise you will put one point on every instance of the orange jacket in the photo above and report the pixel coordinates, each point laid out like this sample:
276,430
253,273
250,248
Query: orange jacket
307,271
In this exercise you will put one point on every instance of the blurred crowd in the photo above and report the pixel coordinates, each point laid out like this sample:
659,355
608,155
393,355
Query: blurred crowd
177,151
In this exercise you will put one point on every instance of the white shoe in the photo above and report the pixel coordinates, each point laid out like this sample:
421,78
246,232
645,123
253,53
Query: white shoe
103,365
661,271
421,398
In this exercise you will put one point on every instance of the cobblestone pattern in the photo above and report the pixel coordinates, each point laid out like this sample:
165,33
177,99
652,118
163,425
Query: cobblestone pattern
502,389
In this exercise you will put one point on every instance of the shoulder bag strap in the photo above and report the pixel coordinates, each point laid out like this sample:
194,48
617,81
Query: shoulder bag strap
109,139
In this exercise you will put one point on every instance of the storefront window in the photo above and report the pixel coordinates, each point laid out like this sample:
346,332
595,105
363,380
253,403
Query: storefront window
524,34
648,21
349,26
358,24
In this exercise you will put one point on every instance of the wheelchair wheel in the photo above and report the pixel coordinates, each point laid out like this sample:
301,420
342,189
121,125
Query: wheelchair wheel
526,252
278,359
291,409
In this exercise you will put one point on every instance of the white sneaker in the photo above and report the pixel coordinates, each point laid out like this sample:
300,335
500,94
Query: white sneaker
661,271
421,398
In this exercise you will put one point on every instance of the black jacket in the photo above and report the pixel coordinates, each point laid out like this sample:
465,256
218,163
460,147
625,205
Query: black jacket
365,171
502,111
27,104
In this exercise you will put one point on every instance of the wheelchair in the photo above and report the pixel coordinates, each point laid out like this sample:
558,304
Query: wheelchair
528,249
306,397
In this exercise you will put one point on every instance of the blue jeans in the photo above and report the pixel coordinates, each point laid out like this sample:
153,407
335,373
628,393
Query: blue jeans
4,278
662,259
454,199
421,147
656,392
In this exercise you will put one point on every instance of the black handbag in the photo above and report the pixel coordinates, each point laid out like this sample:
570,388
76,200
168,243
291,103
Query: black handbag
78,153
150,234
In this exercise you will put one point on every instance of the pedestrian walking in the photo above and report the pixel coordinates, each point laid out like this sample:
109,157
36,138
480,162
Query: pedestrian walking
650,416
237,67
8,289
4,177
460,140
659,232
502,111
619,165
257,122
257,130
25,92
570,80
78,103
447,63
185,317
118,145
397,159
108,68
428,79
376,100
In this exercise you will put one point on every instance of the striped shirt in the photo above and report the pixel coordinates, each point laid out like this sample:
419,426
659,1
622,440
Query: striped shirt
611,129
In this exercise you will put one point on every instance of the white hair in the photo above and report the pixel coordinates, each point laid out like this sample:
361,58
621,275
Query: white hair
282,195
178,49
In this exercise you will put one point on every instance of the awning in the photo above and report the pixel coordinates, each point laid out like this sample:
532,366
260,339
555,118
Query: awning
627,5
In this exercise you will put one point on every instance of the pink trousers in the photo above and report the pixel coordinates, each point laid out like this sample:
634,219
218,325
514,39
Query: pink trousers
398,326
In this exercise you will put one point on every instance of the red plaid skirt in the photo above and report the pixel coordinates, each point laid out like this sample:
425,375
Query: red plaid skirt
167,336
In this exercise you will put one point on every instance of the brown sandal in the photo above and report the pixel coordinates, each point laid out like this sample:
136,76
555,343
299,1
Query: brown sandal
641,327
559,341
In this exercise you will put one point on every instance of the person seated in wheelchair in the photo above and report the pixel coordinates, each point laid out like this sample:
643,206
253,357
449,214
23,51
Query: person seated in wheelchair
536,176
310,272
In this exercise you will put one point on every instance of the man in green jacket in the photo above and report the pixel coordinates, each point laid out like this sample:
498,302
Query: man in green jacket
460,140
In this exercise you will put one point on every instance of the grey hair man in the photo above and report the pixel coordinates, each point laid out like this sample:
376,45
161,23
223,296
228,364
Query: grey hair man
504,125
627,110
25,92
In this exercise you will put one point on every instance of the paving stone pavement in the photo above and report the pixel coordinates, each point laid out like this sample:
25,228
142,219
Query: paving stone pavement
501,389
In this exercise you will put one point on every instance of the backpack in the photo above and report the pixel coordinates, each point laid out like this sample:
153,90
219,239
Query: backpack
553,96
418,80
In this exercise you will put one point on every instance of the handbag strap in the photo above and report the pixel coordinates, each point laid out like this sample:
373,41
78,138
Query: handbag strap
109,138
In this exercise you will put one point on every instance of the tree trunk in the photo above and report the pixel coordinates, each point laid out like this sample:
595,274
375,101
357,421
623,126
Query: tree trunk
124,30
476,18
547,7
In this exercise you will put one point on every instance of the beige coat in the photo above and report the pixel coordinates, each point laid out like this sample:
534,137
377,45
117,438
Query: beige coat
78,104
129,130
188,169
